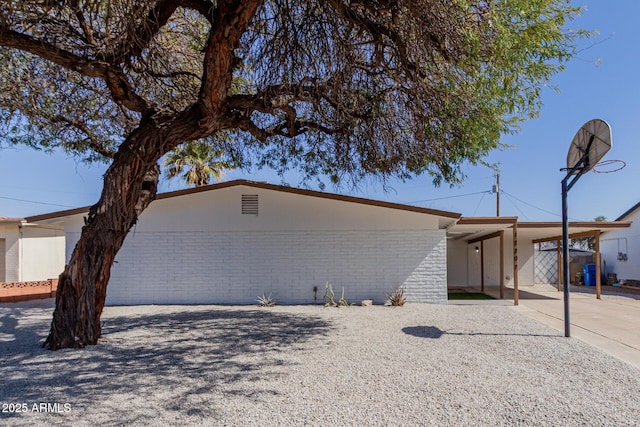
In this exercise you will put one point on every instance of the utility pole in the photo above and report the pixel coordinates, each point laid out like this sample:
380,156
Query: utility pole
496,189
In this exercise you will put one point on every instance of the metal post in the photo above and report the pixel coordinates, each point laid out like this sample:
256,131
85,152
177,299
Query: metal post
565,258
566,274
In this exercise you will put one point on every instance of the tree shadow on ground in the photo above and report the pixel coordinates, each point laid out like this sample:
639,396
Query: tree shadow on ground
181,356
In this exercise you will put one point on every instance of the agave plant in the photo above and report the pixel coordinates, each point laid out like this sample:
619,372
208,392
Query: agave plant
397,298
266,301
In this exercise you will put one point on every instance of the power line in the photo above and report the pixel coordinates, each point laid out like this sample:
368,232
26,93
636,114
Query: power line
38,203
535,207
447,197
481,199
530,205
516,206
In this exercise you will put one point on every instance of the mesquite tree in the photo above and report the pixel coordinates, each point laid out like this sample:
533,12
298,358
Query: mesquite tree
339,89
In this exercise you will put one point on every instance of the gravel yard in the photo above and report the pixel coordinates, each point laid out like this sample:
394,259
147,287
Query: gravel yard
308,365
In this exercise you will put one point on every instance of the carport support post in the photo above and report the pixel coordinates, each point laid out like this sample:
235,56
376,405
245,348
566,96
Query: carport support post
516,294
598,272
559,257
481,265
501,264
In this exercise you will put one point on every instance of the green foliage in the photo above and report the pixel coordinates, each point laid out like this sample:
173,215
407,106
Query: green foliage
337,90
199,162
587,243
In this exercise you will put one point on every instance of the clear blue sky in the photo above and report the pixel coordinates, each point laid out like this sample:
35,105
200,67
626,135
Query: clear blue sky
602,82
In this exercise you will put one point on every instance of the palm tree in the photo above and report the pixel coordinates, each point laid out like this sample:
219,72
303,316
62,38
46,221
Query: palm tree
199,161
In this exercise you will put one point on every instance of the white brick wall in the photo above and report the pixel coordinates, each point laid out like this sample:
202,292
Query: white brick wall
237,267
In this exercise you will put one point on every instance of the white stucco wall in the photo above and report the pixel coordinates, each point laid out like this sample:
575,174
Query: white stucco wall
2,261
626,240
11,253
42,253
199,248
491,248
526,263
457,263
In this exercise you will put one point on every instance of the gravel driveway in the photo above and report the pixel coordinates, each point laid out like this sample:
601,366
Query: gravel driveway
308,365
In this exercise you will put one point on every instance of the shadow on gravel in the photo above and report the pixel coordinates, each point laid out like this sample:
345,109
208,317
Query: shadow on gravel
435,333
172,357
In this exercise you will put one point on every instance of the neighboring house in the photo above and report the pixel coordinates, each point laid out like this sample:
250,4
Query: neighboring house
232,242
30,252
621,249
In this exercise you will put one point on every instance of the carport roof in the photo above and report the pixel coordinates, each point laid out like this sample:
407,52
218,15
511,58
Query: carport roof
473,229
10,221
552,231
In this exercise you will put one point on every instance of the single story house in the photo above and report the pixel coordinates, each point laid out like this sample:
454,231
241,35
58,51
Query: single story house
231,242
621,247
29,251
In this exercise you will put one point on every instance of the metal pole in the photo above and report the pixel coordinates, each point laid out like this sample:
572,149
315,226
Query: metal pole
565,258
498,194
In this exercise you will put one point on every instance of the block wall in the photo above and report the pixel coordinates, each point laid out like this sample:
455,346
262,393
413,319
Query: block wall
237,267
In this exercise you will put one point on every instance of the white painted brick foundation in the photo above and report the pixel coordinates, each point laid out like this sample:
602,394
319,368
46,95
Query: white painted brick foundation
237,267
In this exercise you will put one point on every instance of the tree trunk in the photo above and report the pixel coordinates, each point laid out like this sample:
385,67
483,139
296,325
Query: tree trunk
130,184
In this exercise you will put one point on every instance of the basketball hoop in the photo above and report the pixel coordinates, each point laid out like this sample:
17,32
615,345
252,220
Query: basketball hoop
586,151
619,165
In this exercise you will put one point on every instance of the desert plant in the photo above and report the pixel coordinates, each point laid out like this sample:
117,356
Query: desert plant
266,301
328,296
343,302
397,298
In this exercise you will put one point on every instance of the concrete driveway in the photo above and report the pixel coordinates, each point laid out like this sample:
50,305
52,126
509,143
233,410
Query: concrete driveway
611,324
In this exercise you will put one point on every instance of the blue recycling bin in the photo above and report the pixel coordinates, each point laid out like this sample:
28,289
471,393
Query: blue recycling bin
589,274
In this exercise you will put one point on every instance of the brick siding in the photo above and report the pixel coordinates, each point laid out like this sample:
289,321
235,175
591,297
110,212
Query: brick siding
237,267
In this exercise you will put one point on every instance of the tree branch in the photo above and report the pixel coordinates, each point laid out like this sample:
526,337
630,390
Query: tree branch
93,142
377,30
230,21
116,81
204,7
144,33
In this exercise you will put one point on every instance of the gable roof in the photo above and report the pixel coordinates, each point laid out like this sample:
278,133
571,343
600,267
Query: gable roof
629,212
263,185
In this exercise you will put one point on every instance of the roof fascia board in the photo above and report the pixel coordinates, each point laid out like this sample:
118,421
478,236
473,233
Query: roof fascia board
628,212
497,220
263,185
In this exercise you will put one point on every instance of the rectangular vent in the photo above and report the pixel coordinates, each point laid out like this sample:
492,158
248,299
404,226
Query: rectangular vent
249,204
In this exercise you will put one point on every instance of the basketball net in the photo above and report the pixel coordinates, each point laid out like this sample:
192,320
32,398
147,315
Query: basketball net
619,165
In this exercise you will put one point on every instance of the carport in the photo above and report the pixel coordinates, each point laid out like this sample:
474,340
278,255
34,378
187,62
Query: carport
499,251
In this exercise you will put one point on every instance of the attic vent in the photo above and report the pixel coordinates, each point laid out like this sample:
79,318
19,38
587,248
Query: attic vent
249,204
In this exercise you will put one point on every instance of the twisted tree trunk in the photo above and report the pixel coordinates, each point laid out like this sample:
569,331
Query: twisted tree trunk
130,185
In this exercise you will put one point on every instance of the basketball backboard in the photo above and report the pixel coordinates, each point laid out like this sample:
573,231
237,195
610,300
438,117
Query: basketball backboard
594,139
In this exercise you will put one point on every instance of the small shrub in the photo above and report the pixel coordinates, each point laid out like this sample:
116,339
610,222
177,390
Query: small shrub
266,301
343,302
328,296
397,298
